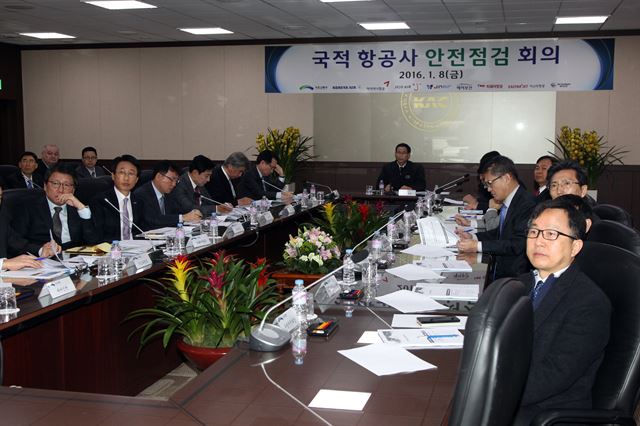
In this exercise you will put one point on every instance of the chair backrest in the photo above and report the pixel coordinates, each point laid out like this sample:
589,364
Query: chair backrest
615,213
617,272
615,234
145,176
495,359
7,170
88,187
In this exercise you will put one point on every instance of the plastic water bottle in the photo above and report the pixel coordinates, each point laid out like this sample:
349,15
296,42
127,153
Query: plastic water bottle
312,192
299,345
116,255
299,301
180,239
213,230
419,210
305,199
387,243
264,204
406,223
376,247
381,186
348,271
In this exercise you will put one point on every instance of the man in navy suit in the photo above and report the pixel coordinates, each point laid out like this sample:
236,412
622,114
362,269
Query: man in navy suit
507,241
223,185
89,167
190,193
116,210
26,176
571,314
158,209
57,213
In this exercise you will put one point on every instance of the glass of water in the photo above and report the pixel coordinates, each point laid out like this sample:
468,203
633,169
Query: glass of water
8,304
369,190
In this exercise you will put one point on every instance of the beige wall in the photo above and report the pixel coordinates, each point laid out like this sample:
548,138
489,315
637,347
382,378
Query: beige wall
177,102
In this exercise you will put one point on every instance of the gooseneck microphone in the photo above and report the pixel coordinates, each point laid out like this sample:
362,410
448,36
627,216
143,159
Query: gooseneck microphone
213,201
107,170
271,185
123,216
331,191
452,184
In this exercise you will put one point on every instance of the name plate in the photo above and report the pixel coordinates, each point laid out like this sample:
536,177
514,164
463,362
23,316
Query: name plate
58,288
407,192
265,218
142,261
327,293
287,211
200,241
287,320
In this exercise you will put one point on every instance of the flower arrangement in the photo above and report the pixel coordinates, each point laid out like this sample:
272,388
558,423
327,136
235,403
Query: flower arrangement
210,305
588,149
312,251
289,146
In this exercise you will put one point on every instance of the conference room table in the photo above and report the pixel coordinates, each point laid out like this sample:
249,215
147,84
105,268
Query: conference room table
236,389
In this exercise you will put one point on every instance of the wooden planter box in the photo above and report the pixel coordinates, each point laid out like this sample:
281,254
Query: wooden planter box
285,280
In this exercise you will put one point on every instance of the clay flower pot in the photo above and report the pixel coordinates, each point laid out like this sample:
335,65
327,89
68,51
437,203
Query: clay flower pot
201,357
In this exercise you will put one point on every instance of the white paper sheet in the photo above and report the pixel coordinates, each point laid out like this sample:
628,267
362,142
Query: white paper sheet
411,321
409,301
423,338
369,337
444,291
411,272
428,251
441,265
454,202
340,400
382,359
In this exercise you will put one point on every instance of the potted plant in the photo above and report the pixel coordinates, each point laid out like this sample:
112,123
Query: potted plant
210,306
588,149
289,146
350,222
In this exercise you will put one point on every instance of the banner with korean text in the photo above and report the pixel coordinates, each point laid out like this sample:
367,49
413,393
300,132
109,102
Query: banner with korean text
450,66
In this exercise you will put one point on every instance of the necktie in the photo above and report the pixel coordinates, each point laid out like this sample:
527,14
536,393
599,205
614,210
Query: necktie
161,201
196,195
264,187
503,215
57,224
29,184
126,225
93,173
540,289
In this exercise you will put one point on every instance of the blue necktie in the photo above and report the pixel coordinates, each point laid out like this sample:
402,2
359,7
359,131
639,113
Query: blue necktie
540,289
503,215
29,184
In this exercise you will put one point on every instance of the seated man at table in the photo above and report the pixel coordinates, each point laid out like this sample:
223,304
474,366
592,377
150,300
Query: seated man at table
89,167
225,179
506,242
567,177
116,210
158,209
18,262
265,179
190,193
571,314
54,220
26,176
402,173
480,201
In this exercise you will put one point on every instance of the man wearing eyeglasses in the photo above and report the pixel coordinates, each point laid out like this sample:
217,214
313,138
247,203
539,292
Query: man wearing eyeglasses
89,167
567,177
53,221
159,210
571,314
507,241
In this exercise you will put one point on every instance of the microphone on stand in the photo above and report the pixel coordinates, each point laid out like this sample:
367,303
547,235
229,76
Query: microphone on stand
335,192
271,185
132,223
452,184
107,170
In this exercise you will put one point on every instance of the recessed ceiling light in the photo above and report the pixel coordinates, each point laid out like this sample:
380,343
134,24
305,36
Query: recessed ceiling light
581,19
121,4
46,35
206,31
384,25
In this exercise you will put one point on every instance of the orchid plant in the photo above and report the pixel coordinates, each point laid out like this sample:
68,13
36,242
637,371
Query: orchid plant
209,305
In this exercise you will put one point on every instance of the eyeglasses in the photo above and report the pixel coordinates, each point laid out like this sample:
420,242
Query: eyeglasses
564,184
57,185
547,234
172,179
488,183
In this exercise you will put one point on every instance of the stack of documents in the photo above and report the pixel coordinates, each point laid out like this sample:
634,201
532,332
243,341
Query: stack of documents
428,251
423,338
411,272
443,265
409,301
443,291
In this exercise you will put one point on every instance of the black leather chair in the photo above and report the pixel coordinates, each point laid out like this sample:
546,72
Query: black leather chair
496,356
6,170
88,187
145,176
615,213
615,234
616,389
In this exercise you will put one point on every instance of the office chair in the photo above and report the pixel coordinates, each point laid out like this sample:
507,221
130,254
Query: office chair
615,213
615,234
495,358
616,389
88,187
145,176
7,170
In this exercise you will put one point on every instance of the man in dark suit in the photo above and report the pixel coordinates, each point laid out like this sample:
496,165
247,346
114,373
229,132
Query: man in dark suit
26,176
190,193
223,185
89,167
49,158
543,164
158,209
57,213
567,177
571,314
110,223
18,262
507,241
402,173
259,181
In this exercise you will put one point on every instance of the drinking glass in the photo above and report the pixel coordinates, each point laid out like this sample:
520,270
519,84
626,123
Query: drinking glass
8,303
369,190
320,197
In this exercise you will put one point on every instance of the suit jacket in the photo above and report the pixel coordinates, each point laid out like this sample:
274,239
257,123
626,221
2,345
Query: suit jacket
412,175
83,172
219,187
509,246
31,228
251,185
107,220
152,216
571,330
185,197
543,196
41,170
16,180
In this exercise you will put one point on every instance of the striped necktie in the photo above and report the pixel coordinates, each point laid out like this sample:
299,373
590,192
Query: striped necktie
126,222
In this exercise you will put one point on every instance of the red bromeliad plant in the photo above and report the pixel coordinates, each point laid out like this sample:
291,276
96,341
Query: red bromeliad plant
211,305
